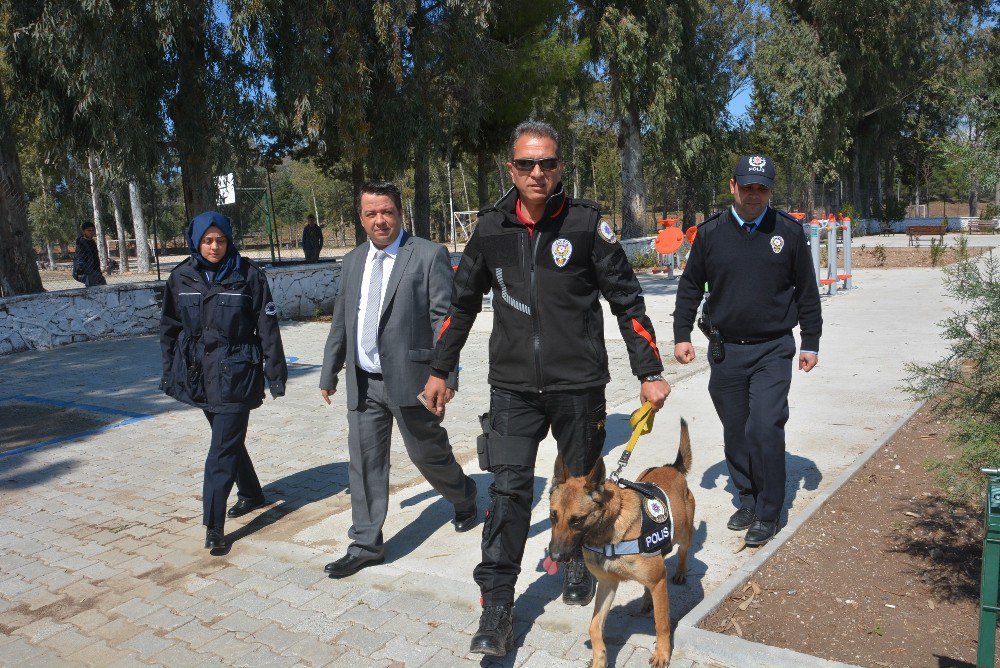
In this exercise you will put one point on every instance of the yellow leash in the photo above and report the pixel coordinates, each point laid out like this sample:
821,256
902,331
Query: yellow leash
641,421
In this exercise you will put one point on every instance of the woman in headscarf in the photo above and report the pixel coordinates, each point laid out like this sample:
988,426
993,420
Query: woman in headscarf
220,339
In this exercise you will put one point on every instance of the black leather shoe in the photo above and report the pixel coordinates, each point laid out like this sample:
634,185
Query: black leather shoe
350,564
496,631
244,506
215,539
579,585
760,532
466,520
741,519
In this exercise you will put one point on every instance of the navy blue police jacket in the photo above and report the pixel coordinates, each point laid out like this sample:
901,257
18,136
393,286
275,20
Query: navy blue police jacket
220,340
548,326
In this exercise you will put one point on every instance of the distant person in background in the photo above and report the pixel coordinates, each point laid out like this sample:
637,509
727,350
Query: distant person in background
86,261
312,239
220,339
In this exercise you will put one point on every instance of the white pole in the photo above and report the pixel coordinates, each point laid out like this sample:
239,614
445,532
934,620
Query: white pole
848,282
814,247
451,208
831,256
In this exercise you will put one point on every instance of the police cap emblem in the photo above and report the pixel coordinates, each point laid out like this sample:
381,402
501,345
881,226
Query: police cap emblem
562,249
271,309
608,234
777,243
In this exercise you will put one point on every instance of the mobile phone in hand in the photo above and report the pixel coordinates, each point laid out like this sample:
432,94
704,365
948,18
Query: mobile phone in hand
422,398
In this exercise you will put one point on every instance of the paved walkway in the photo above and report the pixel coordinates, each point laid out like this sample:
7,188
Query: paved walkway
101,540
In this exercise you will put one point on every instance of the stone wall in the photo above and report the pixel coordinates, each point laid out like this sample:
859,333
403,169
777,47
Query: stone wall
53,319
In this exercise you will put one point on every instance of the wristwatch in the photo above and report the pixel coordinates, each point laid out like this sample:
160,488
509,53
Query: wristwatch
652,379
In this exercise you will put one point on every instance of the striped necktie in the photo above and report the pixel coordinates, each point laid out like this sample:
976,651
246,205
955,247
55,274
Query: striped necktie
373,307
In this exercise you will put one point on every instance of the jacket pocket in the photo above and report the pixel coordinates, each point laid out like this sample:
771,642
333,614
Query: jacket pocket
420,355
234,315
187,375
242,380
189,306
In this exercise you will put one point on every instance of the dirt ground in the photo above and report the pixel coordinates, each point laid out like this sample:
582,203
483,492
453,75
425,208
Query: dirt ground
871,254
886,573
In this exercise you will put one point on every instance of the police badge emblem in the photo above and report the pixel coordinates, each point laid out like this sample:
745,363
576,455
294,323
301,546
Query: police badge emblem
608,234
271,309
656,510
562,249
777,243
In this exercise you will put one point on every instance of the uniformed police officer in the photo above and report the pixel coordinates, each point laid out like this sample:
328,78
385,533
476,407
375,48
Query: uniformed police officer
220,339
756,263
547,258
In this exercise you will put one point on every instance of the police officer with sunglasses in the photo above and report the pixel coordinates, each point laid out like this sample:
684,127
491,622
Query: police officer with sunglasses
547,258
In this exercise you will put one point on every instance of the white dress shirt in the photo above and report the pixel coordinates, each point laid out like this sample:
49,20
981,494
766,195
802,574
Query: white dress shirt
373,364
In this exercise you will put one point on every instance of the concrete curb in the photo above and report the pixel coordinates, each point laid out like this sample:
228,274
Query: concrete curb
691,642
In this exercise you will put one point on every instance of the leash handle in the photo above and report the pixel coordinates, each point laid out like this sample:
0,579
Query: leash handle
642,423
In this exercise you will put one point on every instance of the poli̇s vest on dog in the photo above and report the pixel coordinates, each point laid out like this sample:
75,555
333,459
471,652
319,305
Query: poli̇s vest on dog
656,533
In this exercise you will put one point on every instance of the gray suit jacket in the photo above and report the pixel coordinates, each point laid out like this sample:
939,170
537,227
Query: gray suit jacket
415,304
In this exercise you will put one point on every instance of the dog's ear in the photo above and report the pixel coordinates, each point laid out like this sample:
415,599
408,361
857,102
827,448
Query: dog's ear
595,479
561,472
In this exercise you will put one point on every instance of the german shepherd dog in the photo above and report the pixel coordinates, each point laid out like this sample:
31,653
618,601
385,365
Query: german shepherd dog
594,511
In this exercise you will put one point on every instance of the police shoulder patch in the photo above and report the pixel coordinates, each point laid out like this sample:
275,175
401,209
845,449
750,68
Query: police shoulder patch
271,309
608,234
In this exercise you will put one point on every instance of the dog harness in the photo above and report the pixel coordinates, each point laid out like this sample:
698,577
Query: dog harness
657,531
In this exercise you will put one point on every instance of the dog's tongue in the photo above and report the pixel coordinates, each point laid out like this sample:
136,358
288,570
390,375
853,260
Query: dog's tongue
551,567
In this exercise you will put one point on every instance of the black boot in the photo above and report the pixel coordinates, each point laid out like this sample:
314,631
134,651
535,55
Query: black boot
215,539
579,585
496,631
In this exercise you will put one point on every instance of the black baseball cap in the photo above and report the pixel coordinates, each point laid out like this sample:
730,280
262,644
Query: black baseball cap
757,168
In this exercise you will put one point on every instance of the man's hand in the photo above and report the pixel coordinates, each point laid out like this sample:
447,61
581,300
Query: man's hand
326,394
655,392
807,361
684,352
437,393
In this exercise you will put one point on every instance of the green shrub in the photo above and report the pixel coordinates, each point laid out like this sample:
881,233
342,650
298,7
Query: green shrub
989,212
967,381
938,249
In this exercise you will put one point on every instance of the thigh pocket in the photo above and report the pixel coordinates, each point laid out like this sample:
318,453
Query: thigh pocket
242,379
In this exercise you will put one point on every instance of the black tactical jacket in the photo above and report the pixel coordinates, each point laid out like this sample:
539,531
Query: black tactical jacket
220,340
548,326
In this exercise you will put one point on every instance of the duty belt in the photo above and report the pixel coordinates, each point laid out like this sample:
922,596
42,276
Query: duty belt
751,340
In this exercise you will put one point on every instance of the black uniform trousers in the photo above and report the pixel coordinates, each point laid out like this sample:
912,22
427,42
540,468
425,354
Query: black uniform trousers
228,462
577,420
750,391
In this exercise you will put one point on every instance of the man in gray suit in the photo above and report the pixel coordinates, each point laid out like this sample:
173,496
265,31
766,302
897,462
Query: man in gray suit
394,295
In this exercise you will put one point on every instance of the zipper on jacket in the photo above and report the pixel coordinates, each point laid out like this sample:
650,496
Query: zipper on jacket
537,339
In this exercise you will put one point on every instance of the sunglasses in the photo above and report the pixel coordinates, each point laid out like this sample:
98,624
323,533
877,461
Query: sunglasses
528,164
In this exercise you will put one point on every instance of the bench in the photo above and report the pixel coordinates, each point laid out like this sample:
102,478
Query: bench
914,232
982,227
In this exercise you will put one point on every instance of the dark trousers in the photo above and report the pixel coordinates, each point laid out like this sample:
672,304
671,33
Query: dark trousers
228,462
750,391
577,420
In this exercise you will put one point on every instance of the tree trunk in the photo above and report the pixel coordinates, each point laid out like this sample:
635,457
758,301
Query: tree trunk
856,198
689,206
358,180
18,269
483,178
190,113
50,251
974,200
811,194
996,194
95,200
116,204
633,187
421,191
139,223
